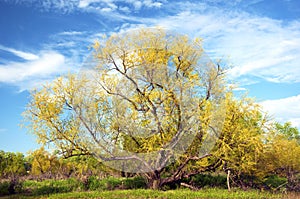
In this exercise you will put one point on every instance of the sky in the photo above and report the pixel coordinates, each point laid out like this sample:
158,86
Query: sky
43,39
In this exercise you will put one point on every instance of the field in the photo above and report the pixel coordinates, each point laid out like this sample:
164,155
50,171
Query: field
114,188
171,194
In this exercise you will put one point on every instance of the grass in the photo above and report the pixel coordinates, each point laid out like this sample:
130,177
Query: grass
114,188
172,194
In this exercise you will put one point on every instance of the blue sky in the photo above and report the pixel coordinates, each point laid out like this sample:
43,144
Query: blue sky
42,39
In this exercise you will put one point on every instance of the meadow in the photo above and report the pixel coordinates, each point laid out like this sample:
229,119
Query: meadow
170,194
114,188
209,186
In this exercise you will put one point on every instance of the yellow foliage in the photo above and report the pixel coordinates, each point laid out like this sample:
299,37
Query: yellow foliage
149,88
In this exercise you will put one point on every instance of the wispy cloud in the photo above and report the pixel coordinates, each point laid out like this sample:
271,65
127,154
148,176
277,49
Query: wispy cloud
2,130
29,73
256,46
18,53
67,6
65,52
286,109
239,89
71,33
62,6
152,4
86,3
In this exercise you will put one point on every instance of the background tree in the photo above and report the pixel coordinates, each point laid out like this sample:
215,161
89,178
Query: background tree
153,103
82,167
288,131
240,144
44,164
12,165
282,154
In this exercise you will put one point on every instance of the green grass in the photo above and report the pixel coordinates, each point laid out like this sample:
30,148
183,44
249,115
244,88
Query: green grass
47,187
172,194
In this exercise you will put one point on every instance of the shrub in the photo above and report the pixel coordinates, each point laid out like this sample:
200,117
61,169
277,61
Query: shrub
4,186
274,181
52,186
135,183
111,183
208,180
95,183
12,186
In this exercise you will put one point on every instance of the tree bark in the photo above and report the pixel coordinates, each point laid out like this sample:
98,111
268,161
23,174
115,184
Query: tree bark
189,186
154,180
156,184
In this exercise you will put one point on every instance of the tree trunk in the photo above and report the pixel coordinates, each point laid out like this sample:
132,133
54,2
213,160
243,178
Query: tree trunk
156,184
154,180
291,181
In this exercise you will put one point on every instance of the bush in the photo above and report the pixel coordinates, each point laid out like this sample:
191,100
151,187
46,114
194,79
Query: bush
52,186
4,186
208,180
111,183
95,183
135,183
104,184
274,181
10,187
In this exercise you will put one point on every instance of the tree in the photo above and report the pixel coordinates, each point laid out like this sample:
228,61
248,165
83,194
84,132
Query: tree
44,164
12,165
288,131
82,167
282,154
153,103
240,145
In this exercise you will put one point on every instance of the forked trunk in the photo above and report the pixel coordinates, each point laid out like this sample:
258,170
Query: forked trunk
154,180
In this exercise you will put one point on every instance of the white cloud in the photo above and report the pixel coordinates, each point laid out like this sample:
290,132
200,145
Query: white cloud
124,9
98,6
64,6
239,89
106,9
102,7
27,74
283,110
66,44
256,46
21,54
71,33
85,3
150,4
136,4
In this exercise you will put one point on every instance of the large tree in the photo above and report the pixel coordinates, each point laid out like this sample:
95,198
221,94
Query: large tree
151,103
